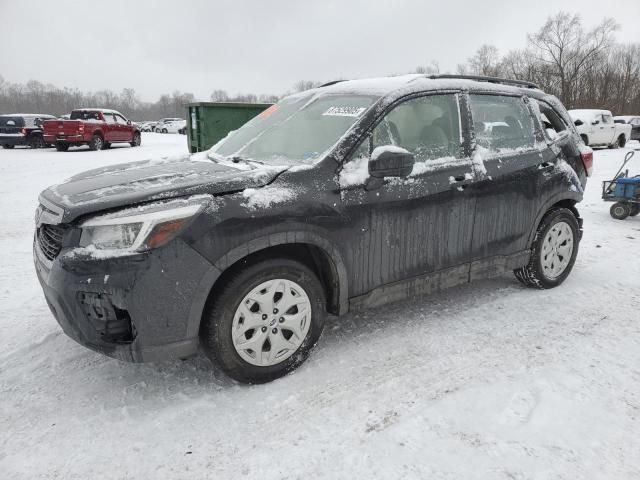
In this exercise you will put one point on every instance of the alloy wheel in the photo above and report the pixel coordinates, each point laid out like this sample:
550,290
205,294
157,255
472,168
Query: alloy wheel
557,249
271,322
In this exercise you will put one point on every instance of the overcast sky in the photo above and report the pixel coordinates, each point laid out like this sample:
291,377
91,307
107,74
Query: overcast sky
263,46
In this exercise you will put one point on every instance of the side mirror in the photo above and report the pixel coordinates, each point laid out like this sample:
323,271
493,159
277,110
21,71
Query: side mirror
578,122
390,161
128,122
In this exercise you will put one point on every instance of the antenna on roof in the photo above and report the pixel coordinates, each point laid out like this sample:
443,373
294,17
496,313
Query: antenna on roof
328,84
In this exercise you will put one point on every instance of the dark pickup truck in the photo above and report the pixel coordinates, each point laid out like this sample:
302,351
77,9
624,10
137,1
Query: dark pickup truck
96,127
22,129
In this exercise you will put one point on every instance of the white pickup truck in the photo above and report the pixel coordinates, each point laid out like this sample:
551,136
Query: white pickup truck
597,128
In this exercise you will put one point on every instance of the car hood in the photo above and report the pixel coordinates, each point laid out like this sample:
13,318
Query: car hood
131,183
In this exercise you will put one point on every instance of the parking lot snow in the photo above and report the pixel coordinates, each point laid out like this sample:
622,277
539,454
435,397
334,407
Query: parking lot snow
489,380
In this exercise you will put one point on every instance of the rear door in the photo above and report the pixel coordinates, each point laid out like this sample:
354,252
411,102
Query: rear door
407,227
509,161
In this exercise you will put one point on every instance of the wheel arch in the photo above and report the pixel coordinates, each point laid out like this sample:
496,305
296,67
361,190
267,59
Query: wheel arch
564,201
310,249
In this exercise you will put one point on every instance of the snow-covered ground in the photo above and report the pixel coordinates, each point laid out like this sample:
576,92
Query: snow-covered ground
487,381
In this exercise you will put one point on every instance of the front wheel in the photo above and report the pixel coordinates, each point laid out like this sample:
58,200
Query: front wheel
634,210
137,140
62,147
620,210
554,250
264,321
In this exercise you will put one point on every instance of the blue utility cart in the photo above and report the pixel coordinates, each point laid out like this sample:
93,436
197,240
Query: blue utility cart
624,191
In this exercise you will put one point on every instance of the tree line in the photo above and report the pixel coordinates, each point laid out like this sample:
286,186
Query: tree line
584,67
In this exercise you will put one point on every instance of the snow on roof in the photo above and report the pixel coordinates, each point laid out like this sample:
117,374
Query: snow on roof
384,85
626,118
96,109
38,115
586,112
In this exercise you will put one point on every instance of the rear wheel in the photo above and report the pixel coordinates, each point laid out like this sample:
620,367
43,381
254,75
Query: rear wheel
96,143
164,130
554,250
264,321
62,147
634,210
620,210
137,140
620,142
6,146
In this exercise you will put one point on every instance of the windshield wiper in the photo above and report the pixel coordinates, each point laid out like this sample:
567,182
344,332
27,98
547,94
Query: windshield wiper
239,158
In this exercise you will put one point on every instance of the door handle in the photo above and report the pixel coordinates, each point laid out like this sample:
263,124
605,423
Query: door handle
459,182
546,166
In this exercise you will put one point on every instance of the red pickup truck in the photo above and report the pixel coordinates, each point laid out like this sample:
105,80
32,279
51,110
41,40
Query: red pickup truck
96,127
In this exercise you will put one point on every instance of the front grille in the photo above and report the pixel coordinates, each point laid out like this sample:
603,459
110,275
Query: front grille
50,240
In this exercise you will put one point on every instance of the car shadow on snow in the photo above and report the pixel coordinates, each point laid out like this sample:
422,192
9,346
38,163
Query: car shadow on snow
338,334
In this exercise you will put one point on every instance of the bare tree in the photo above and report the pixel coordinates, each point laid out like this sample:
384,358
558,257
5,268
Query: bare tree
486,61
567,50
219,96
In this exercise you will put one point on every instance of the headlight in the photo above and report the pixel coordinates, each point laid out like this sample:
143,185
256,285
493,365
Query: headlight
142,228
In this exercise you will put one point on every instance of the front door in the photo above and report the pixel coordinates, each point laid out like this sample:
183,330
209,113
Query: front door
124,129
111,133
403,228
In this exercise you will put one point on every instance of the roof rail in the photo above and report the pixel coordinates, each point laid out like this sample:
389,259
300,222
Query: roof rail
480,78
333,82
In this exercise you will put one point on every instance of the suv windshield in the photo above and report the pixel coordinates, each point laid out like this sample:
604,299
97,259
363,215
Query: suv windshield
298,128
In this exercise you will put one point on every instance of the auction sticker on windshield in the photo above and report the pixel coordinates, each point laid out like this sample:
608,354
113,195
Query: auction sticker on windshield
344,111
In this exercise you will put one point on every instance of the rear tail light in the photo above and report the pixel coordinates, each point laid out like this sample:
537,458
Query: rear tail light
23,131
586,154
81,128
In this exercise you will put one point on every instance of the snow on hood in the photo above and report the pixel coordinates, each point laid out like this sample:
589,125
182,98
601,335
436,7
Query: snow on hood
137,182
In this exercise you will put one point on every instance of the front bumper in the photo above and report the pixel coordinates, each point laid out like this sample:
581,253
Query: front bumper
13,140
140,308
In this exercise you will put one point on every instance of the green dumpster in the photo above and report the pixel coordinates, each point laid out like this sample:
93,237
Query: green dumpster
208,122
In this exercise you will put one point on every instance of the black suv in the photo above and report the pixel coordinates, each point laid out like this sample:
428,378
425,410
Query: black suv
336,199
22,129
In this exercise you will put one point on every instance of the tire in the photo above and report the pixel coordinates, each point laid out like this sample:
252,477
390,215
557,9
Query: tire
620,142
96,143
62,147
7,146
164,130
634,209
106,145
223,313
620,210
137,140
585,139
539,272
36,141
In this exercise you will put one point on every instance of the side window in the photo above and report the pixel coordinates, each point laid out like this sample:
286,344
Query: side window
607,119
597,119
501,122
120,119
108,117
428,127
551,122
